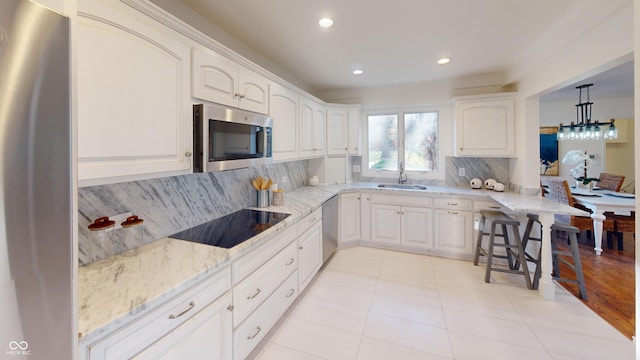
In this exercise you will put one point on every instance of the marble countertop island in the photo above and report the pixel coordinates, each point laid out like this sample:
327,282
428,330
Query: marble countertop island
113,291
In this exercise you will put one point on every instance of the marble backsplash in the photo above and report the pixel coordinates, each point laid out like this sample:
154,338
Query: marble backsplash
481,168
172,204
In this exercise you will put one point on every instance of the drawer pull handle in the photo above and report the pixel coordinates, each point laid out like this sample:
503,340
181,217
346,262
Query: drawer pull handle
254,295
494,207
453,212
452,204
291,261
291,292
191,306
258,329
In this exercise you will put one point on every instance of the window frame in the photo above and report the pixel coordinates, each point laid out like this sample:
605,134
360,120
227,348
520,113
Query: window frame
400,113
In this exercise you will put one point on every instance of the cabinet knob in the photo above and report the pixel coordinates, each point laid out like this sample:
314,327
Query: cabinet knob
230,307
346,148
301,247
188,154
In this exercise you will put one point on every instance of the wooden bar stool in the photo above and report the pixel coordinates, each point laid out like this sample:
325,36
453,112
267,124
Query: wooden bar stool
575,264
532,221
498,218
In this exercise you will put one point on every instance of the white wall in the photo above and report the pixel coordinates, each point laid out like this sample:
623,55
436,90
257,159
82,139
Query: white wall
604,46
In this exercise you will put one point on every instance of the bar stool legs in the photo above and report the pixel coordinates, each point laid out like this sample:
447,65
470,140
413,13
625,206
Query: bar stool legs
498,218
526,237
575,265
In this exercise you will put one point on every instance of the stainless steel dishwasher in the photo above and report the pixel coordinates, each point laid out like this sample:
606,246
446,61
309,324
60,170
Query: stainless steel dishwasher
329,227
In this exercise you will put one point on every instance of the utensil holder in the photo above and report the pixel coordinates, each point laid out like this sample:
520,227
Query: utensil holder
278,198
263,198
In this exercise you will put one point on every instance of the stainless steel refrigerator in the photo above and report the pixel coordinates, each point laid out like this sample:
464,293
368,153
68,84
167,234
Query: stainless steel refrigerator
36,267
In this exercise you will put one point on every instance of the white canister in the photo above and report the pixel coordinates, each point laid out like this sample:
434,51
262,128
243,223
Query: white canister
313,181
498,187
475,183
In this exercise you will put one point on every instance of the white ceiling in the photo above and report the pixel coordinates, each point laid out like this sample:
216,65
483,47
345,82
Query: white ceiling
397,42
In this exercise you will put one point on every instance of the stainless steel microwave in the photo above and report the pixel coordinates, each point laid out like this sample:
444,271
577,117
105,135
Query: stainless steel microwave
227,138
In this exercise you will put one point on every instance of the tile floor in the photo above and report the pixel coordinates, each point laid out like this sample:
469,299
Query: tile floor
373,304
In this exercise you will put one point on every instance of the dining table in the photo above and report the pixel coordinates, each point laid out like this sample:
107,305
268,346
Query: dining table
601,201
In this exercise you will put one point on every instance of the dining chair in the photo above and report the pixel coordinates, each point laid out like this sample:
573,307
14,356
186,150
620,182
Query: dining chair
611,182
622,224
559,191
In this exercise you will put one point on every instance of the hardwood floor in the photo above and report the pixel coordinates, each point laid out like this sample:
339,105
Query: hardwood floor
610,281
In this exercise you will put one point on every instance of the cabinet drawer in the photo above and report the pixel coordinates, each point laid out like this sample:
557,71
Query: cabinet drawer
258,286
454,204
129,340
412,200
248,335
489,205
247,264
306,222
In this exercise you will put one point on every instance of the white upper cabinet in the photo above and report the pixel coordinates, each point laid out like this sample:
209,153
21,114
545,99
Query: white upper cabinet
283,109
312,129
485,126
220,80
337,131
134,107
343,131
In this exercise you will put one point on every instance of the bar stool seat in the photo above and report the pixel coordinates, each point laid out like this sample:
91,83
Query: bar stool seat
504,221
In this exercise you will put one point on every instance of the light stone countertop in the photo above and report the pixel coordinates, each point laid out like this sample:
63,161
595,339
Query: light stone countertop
114,291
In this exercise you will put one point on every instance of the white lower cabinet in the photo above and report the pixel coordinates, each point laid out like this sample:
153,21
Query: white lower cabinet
249,334
251,292
207,335
453,227
349,217
402,221
385,224
199,318
309,254
407,226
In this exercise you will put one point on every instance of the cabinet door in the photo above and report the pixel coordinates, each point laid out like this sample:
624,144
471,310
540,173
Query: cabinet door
453,233
319,130
309,254
354,132
417,229
208,332
134,105
349,217
365,216
337,132
254,91
283,109
306,128
215,78
485,128
385,224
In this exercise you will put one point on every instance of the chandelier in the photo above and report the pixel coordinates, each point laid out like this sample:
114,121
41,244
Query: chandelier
583,128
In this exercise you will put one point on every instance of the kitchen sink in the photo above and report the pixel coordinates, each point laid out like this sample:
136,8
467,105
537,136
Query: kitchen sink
403,186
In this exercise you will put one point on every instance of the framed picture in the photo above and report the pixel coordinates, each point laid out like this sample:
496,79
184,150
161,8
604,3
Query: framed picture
549,151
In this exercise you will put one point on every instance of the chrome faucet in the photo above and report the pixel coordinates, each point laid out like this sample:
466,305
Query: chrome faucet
403,177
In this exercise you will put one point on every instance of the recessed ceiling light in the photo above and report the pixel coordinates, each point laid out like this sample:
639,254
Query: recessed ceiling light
444,61
357,72
325,22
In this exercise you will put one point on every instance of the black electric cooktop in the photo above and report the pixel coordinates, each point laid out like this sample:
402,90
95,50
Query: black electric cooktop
233,229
